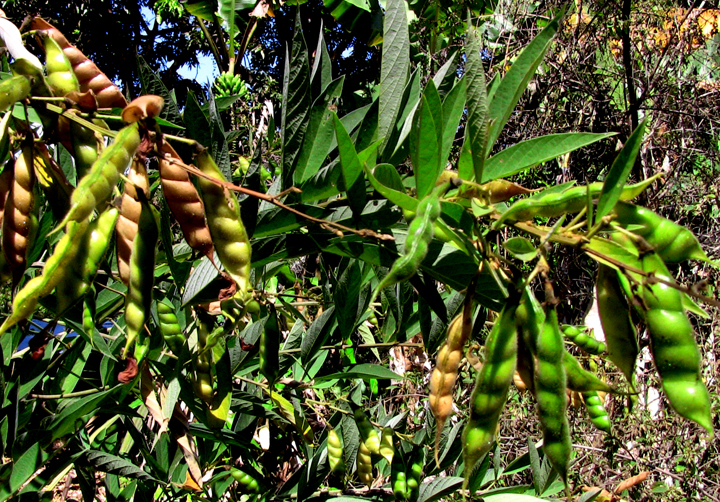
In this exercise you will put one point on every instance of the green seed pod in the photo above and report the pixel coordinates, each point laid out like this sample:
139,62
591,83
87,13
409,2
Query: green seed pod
579,379
369,435
97,186
420,235
248,484
584,340
226,226
672,242
364,464
270,347
387,448
60,75
399,482
550,392
13,90
142,276
596,410
94,244
27,298
170,326
675,352
572,200
491,388
619,330
336,455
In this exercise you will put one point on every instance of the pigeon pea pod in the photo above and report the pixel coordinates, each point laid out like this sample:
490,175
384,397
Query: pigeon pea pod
572,200
170,326
26,300
364,464
94,244
226,226
369,435
675,352
446,368
491,388
674,243
142,276
97,185
184,201
620,334
13,90
550,393
420,234
60,75
596,411
19,220
579,379
248,484
336,455
130,212
583,340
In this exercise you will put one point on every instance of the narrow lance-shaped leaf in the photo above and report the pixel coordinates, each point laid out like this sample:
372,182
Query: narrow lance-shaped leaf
395,66
349,161
476,97
619,171
532,152
426,141
295,101
513,85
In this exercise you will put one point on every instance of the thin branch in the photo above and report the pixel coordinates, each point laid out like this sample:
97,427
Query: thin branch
332,226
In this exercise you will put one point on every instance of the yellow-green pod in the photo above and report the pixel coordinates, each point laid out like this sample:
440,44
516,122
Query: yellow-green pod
13,90
60,75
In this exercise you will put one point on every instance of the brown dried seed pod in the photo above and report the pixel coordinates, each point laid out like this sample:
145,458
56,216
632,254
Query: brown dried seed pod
19,221
447,364
90,77
184,201
148,106
130,210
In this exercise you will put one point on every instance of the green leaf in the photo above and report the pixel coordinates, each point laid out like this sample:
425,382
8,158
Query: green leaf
532,152
198,125
317,334
296,101
521,248
153,84
513,84
365,372
453,108
105,462
476,137
439,487
202,275
319,137
399,198
321,74
349,161
74,412
395,67
619,172
426,141
346,296
204,9
26,465
218,140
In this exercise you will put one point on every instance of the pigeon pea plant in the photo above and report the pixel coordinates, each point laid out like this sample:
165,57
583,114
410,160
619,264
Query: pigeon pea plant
259,314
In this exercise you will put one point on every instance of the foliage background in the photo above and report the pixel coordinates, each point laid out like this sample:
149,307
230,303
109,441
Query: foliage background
581,86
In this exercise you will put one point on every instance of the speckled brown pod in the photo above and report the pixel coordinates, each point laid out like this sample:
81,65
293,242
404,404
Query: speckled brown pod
184,201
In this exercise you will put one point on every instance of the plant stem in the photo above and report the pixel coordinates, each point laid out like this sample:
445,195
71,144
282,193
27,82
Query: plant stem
79,393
